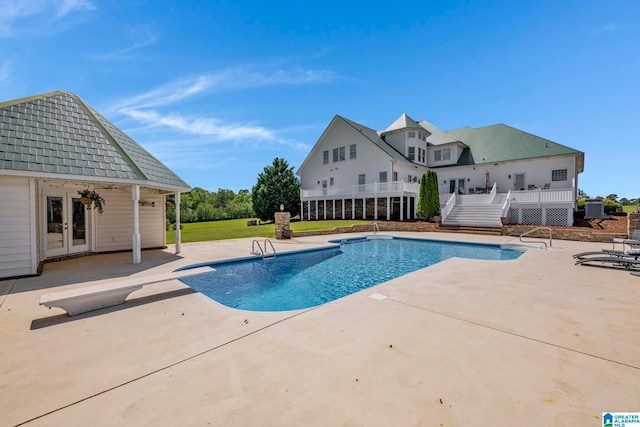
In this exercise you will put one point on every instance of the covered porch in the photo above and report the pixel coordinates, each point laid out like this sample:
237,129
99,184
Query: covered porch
396,200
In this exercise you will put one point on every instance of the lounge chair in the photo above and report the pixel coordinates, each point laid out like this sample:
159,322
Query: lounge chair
633,253
635,273
610,261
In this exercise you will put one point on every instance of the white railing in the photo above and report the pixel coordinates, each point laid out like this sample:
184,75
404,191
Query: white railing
541,197
357,191
448,207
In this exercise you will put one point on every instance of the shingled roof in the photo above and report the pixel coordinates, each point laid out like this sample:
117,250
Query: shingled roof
58,133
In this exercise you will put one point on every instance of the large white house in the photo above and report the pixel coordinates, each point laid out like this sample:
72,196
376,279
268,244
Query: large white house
51,147
484,173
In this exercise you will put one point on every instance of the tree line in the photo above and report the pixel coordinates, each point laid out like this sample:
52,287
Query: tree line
276,186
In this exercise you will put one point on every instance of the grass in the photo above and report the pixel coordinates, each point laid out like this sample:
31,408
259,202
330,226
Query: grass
237,228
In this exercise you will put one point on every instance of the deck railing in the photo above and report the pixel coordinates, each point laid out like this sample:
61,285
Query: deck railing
357,191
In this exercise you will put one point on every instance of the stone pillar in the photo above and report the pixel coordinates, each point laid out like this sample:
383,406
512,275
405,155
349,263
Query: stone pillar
283,225
633,223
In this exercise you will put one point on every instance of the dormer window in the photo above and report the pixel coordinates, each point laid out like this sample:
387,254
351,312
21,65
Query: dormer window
411,134
444,154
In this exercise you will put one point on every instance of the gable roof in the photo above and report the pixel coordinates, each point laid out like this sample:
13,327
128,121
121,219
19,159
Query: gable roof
437,136
58,133
500,143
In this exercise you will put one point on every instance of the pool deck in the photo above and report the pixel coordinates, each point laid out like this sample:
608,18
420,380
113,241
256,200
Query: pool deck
533,341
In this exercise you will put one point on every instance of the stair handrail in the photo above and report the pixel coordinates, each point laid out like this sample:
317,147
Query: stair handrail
507,204
448,207
493,192
533,241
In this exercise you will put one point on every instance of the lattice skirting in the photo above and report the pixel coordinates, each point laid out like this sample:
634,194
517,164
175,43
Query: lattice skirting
541,216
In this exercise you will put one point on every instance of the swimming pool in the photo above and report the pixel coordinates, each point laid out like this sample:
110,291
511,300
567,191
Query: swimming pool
303,279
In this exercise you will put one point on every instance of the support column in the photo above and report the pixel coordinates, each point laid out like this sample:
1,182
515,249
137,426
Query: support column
316,209
178,225
135,196
388,208
364,208
301,210
333,207
342,208
401,208
375,208
353,208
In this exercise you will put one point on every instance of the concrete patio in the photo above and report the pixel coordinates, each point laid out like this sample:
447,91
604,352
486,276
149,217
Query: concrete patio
534,341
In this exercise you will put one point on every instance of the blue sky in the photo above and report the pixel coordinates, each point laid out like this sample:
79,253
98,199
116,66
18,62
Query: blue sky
216,90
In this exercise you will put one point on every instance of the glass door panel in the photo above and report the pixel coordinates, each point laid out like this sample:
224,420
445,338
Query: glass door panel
78,230
55,225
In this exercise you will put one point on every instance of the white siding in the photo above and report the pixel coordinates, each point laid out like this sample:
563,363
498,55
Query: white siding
370,160
114,228
16,230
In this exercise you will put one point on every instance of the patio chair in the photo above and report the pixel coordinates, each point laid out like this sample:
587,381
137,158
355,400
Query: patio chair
633,253
633,241
547,186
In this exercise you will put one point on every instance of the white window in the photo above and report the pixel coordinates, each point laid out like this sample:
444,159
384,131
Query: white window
411,134
335,155
444,154
412,153
383,176
361,179
342,155
331,182
325,157
559,175
352,151
395,176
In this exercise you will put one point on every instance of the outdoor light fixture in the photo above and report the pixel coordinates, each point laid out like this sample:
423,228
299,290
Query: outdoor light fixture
281,207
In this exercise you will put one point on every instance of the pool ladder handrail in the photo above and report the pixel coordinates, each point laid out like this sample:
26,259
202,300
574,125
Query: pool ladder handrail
376,229
536,229
263,252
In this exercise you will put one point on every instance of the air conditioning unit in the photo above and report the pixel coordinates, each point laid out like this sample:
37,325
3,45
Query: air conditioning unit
594,209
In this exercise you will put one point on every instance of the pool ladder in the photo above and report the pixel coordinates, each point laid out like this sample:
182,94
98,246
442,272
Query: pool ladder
263,251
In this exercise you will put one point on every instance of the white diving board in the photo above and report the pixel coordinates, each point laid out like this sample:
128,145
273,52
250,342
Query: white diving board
81,300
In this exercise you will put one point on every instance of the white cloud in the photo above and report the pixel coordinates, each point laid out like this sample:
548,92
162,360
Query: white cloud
232,78
200,125
36,16
142,37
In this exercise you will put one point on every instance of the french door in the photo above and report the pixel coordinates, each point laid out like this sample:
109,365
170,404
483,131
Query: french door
66,224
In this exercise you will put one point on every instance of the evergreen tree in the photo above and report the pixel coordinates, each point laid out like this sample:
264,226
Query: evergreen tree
429,198
275,186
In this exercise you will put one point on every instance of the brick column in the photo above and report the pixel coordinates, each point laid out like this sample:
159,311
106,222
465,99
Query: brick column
283,228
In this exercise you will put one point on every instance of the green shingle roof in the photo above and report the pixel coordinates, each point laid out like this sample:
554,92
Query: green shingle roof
499,143
59,133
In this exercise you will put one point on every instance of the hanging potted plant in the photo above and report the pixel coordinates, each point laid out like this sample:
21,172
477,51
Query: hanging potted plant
90,197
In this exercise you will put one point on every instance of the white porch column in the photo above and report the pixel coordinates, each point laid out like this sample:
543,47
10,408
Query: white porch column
316,209
135,195
353,208
178,234
375,208
401,208
309,210
364,208
388,208
342,208
333,207
301,210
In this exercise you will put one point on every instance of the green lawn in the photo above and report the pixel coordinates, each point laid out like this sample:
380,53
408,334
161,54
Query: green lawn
236,228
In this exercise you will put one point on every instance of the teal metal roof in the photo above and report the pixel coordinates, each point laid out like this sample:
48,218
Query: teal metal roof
59,133
499,143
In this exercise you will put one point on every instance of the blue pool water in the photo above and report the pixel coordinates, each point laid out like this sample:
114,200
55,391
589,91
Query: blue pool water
292,281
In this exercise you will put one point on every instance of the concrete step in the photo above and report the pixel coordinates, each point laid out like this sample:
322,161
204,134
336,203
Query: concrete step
465,229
